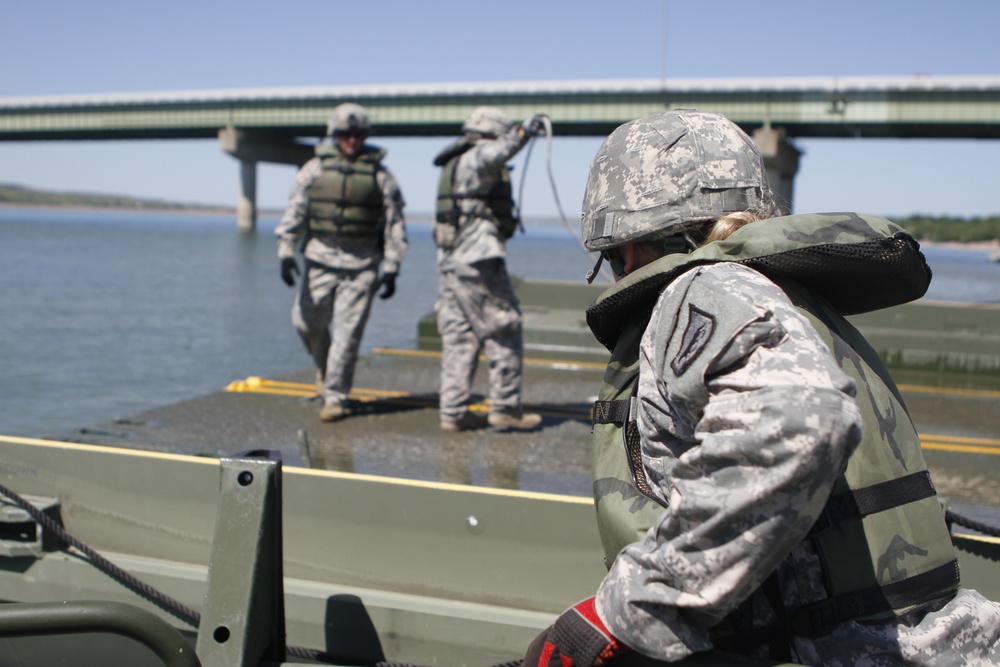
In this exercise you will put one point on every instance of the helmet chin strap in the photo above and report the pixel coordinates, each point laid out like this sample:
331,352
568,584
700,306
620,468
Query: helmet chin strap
597,267
678,243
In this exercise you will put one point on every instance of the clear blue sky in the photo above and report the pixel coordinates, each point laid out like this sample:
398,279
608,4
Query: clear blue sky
110,46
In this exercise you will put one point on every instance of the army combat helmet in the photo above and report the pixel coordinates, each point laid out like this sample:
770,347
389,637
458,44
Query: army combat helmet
667,173
348,117
487,120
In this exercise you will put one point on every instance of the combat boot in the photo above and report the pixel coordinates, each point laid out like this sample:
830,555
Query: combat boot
515,421
331,412
469,421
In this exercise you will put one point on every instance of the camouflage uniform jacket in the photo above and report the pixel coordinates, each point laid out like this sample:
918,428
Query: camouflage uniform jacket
338,251
746,421
477,173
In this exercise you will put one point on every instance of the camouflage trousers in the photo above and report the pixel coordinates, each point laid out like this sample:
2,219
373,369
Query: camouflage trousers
330,313
478,311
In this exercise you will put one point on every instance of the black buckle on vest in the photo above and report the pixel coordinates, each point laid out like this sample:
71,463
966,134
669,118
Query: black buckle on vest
618,413
610,412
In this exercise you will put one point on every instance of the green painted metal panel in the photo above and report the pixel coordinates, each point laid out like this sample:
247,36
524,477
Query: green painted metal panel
479,545
441,573
942,107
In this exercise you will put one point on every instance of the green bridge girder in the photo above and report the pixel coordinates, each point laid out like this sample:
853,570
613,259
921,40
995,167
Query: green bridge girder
278,124
918,106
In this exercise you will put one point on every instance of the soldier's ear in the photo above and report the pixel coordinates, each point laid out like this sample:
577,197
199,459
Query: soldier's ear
630,254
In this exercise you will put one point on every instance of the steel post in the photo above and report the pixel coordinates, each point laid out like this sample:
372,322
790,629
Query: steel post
243,619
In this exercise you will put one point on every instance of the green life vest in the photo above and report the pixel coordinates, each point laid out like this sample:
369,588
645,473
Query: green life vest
884,505
346,199
624,513
499,200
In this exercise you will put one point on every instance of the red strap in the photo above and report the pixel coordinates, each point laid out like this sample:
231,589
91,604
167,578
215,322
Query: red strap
588,609
614,648
547,649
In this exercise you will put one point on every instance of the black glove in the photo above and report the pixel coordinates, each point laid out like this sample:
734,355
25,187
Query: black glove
578,638
289,269
388,285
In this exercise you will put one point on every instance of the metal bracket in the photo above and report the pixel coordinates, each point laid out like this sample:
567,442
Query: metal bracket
243,618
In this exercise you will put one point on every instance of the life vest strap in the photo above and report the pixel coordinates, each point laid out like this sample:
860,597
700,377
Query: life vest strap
820,618
872,499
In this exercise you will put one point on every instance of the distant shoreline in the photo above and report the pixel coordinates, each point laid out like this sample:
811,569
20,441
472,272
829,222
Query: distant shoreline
415,218
141,209
967,245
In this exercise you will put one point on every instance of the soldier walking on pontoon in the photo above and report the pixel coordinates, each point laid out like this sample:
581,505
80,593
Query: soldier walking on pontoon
346,215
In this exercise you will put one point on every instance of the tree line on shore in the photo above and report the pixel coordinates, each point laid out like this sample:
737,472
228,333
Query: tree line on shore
943,229
17,194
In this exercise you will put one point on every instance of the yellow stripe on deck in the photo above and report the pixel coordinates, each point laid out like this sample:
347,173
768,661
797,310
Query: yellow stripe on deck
960,444
557,364
947,443
259,385
981,393
293,470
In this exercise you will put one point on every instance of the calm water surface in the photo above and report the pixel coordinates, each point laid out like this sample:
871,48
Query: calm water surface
107,313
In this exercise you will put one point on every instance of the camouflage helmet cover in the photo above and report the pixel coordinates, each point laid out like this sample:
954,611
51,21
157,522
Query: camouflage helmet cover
487,120
348,117
663,174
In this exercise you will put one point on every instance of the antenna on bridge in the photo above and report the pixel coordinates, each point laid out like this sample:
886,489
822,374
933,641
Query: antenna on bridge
663,45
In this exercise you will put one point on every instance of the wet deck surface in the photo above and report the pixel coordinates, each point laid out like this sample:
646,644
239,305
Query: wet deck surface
395,430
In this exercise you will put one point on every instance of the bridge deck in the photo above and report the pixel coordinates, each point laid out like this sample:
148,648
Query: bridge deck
919,106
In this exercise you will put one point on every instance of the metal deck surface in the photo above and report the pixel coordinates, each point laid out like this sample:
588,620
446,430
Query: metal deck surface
394,431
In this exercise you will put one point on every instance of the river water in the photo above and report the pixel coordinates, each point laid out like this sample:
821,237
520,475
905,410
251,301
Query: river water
107,313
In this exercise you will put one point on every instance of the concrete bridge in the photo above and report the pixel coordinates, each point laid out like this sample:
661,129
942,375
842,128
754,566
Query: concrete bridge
281,124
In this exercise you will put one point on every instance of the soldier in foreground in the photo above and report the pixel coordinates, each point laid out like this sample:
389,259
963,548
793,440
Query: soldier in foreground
476,307
788,511
346,214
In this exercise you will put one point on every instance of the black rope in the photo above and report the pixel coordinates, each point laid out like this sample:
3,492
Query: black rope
175,607
966,522
185,613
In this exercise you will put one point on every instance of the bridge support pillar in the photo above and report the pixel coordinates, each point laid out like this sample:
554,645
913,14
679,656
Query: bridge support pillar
251,147
246,205
781,158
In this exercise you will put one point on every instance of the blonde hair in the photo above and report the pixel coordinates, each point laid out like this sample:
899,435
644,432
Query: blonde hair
729,223
716,230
